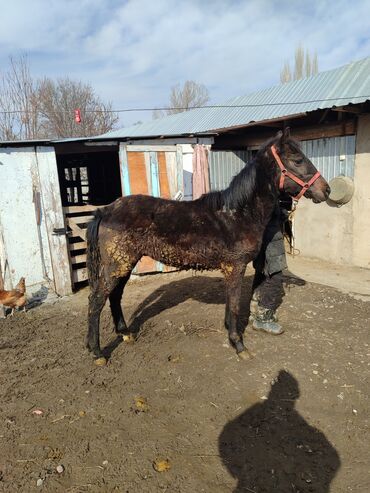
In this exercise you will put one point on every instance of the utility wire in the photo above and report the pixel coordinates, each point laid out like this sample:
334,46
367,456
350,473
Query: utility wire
260,105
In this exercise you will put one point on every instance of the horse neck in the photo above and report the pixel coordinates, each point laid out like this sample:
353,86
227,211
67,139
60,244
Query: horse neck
253,192
267,191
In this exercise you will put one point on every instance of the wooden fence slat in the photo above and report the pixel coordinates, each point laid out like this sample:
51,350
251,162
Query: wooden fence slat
80,219
78,230
79,275
73,209
54,218
79,245
79,259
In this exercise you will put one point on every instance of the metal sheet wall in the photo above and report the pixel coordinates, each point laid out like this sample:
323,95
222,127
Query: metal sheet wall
333,156
223,165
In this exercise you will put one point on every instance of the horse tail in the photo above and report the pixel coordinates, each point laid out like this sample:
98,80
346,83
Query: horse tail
93,251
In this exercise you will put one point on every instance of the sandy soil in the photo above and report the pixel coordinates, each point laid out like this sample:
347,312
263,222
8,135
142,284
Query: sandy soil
292,419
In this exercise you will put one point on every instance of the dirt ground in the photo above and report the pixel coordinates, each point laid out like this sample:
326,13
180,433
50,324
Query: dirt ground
294,418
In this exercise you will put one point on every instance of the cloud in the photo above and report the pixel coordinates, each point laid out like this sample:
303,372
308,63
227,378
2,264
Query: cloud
133,51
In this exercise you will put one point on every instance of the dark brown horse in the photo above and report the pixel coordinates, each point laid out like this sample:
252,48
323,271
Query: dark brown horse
220,230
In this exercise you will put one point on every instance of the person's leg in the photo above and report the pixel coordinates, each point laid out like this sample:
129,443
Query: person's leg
270,294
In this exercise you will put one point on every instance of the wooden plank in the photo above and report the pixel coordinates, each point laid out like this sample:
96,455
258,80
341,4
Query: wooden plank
180,169
54,218
78,233
145,264
78,245
150,148
2,262
79,259
81,219
163,144
163,178
125,176
73,209
349,109
253,138
171,169
155,191
137,173
79,275
76,230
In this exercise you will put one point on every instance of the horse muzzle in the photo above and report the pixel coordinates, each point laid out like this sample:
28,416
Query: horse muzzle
319,191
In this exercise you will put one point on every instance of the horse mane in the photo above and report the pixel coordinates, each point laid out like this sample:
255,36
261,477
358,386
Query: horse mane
244,186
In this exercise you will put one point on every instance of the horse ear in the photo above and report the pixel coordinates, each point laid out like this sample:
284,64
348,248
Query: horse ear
287,133
279,140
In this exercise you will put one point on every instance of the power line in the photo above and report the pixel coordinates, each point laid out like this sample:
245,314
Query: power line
260,105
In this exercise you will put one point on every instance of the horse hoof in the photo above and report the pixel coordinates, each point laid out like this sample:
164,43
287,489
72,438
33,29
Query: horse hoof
101,361
244,355
128,338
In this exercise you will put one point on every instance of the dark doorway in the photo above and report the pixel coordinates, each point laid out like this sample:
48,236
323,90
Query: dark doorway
89,178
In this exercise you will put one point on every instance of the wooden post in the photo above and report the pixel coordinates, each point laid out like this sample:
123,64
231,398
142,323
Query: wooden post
2,262
54,219
2,309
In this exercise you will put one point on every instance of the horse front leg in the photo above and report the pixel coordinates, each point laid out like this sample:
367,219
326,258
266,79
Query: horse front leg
115,298
97,299
234,278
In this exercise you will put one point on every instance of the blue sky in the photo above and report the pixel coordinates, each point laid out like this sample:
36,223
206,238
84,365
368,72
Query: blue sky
133,51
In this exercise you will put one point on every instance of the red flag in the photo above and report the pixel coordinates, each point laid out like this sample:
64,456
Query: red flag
78,116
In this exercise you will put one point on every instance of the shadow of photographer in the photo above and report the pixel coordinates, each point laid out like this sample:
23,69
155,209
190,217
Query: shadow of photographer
271,448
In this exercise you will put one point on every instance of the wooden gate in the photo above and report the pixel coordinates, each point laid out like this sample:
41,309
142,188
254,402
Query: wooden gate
150,170
77,218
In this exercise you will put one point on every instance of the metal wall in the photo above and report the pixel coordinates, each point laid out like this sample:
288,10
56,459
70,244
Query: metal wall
223,165
333,156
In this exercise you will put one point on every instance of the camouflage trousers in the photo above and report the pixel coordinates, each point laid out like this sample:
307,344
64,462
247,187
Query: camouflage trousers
267,286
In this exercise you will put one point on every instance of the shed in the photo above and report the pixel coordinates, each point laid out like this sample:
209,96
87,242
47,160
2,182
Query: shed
330,114
51,188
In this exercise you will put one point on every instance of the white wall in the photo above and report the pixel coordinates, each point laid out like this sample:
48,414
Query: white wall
361,199
340,235
324,232
22,244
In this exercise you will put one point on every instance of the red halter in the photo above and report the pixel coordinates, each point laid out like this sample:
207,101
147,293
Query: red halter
284,172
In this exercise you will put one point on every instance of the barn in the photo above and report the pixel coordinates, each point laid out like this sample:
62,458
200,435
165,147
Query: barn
51,188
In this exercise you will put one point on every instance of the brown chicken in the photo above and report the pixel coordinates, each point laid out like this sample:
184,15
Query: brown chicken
14,298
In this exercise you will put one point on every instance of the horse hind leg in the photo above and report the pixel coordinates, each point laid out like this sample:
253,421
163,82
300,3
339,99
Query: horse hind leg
115,297
97,299
233,279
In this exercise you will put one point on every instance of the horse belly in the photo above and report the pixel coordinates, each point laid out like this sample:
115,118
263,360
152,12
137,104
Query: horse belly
179,256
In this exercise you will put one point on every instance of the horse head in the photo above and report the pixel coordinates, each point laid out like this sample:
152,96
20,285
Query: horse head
298,176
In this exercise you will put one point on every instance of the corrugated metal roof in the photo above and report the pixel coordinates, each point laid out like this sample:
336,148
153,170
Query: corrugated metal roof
338,87
22,143
345,85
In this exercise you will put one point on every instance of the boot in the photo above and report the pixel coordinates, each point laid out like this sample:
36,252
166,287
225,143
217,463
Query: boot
254,308
265,320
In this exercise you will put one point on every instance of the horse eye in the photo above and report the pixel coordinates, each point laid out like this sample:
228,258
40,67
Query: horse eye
299,161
